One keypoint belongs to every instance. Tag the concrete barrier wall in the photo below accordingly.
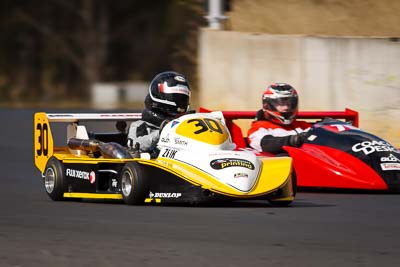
(114, 95)
(329, 74)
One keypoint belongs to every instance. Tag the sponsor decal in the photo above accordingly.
(390, 166)
(169, 153)
(114, 183)
(391, 158)
(219, 164)
(390, 163)
(174, 123)
(77, 174)
(226, 154)
(165, 139)
(164, 163)
(339, 127)
(181, 142)
(312, 137)
(164, 195)
(240, 175)
(180, 79)
(368, 147)
(121, 115)
(59, 115)
(92, 177)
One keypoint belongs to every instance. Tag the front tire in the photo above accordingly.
(133, 183)
(54, 177)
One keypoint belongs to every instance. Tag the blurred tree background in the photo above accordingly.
(56, 49)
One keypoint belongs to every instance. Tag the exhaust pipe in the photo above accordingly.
(108, 150)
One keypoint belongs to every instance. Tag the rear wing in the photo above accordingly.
(76, 117)
(43, 138)
(348, 115)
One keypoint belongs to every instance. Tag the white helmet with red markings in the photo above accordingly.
(280, 103)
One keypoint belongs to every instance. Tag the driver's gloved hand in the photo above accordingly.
(133, 150)
(154, 152)
(297, 140)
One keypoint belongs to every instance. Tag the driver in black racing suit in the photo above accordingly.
(168, 98)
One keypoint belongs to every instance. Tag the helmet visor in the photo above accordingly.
(182, 104)
(282, 104)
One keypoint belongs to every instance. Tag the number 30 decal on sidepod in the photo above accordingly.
(204, 130)
(43, 142)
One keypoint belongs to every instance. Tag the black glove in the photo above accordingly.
(297, 140)
(154, 151)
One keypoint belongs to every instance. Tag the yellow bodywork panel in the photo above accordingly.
(212, 131)
(92, 195)
(275, 173)
(277, 170)
(42, 141)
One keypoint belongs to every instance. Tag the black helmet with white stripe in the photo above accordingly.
(169, 94)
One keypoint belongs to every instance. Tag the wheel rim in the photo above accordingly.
(49, 180)
(126, 184)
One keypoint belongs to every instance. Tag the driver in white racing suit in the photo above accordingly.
(168, 98)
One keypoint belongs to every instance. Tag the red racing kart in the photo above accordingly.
(336, 154)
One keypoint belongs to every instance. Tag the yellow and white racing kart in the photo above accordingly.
(197, 162)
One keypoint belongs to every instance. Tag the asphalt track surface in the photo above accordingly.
(319, 229)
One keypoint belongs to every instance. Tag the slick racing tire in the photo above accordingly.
(54, 178)
(133, 183)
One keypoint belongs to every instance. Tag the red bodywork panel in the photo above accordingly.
(320, 166)
(317, 166)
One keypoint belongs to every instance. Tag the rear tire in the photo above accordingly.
(54, 177)
(133, 183)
